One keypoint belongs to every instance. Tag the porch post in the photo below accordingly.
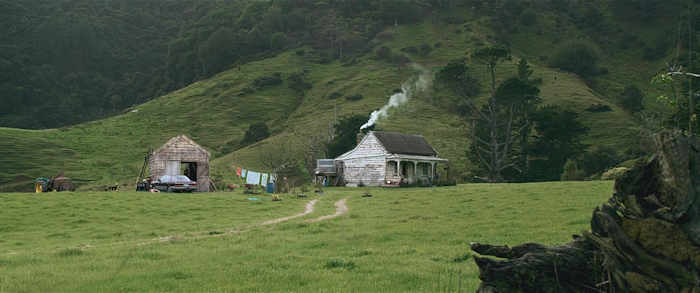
(415, 172)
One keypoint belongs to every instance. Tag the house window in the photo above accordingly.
(423, 169)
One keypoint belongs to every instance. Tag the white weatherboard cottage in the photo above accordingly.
(388, 159)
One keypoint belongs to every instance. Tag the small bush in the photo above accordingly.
(246, 91)
(297, 82)
(256, 132)
(300, 52)
(437, 45)
(411, 49)
(334, 95)
(178, 275)
(631, 99)
(384, 53)
(340, 264)
(278, 40)
(70, 252)
(462, 258)
(355, 97)
(597, 108)
(268, 80)
(577, 57)
(571, 171)
(425, 49)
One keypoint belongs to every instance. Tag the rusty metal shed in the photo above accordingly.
(179, 152)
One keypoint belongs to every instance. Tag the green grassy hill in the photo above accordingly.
(217, 111)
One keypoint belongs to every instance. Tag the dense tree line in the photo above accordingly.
(68, 61)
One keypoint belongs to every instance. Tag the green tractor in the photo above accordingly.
(58, 183)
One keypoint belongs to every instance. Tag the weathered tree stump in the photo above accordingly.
(646, 238)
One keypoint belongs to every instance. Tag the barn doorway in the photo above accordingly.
(189, 169)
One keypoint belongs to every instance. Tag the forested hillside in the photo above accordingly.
(251, 78)
(66, 61)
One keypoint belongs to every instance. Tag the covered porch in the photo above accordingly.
(408, 170)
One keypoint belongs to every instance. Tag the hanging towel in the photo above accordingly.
(263, 179)
(273, 178)
(238, 172)
(244, 173)
(253, 178)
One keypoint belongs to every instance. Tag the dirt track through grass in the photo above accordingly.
(340, 208)
(308, 209)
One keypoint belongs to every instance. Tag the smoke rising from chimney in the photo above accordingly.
(408, 89)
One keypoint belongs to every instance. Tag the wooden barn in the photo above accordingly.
(181, 156)
(389, 159)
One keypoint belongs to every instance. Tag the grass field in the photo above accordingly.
(399, 240)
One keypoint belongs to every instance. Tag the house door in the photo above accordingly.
(407, 170)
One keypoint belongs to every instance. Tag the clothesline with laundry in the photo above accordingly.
(256, 178)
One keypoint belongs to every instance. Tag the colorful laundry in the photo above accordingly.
(238, 172)
(252, 178)
(263, 180)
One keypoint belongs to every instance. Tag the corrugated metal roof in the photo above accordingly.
(408, 144)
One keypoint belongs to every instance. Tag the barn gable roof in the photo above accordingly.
(407, 144)
(180, 139)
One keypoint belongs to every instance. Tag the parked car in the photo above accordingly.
(174, 183)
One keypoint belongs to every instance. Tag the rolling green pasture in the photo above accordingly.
(399, 240)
